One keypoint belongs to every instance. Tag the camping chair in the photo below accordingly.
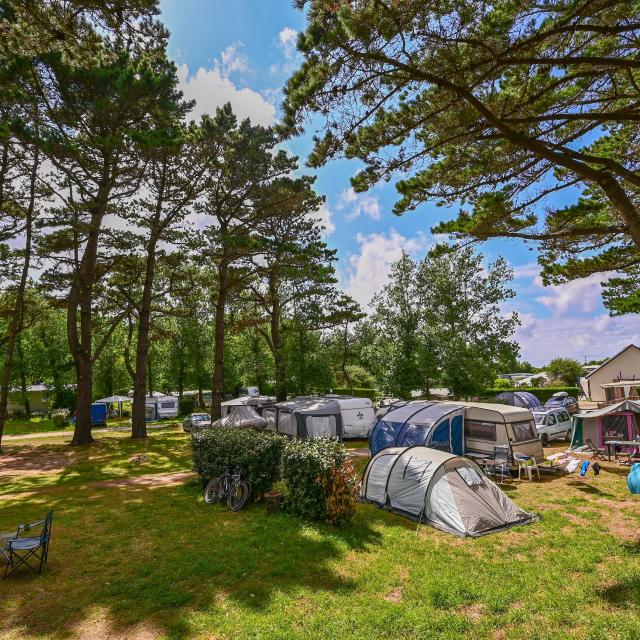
(27, 550)
(597, 453)
(528, 463)
(499, 466)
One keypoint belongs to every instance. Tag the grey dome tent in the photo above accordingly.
(433, 424)
(242, 417)
(449, 492)
(306, 417)
(519, 399)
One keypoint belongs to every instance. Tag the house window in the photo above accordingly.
(480, 430)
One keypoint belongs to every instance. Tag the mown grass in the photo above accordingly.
(40, 424)
(148, 563)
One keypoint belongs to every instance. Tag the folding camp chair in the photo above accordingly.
(32, 551)
(499, 466)
(597, 453)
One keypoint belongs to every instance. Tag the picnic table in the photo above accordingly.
(621, 443)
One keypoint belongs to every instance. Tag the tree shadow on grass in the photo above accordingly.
(589, 488)
(158, 556)
(624, 593)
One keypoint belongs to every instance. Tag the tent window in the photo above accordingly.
(415, 468)
(287, 423)
(321, 426)
(480, 430)
(270, 416)
(523, 431)
(614, 428)
(470, 476)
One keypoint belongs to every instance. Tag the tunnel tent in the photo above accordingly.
(439, 425)
(306, 417)
(449, 492)
(519, 399)
(242, 417)
(620, 421)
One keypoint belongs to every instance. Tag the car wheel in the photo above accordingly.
(544, 439)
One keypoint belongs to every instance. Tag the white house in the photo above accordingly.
(615, 379)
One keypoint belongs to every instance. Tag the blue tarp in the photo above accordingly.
(437, 425)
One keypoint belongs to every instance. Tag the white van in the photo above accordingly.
(358, 416)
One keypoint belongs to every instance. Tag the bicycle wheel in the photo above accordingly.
(214, 491)
(238, 495)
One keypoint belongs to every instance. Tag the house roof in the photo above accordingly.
(613, 357)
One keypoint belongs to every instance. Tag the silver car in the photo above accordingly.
(552, 424)
(195, 421)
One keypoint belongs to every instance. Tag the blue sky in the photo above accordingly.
(243, 52)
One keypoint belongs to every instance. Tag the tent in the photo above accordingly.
(620, 421)
(258, 402)
(519, 399)
(433, 424)
(449, 492)
(119, 400)
(306, 417)
(242, 417)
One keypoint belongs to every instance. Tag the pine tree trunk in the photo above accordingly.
(276, 342)
(217, 386)
(15, 325)
(138, 421)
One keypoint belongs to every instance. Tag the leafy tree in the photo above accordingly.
(566, 371)
(462, 315)
(495, 105)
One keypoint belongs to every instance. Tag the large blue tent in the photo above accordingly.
(439, 425)
(519, 399)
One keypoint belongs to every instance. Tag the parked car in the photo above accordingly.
(552, 424)
(196, 421)
(562, 400)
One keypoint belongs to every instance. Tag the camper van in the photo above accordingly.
(358, 416)
(160, 406)
(486, 425)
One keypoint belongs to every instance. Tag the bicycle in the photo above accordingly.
(230, 486)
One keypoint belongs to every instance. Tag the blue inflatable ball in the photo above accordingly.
(633, 479)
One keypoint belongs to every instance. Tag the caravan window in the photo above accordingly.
(523, 431)
(167, 405)
(321, 426)
(480, 430)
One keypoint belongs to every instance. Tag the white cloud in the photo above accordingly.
(582, 295)
(578, 326)
(358, 204)
(213, 87)
(368, 269)
(287, 38)
(324, 216)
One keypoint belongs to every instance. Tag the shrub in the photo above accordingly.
(320, 479)
(60, 418)
(256, 454)
(187, 405)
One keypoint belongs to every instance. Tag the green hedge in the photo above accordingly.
(320, 479)
(542, 393)
(372, 394)
(256, 454)
(187, 405)
(60, 418)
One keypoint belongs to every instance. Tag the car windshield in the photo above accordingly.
(539, 418)
(554, 402)
(200, 417)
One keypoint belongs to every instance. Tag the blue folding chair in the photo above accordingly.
(24, 550)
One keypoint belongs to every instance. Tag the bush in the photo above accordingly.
(256, 454)
(187, 405)
(60, 418)
(321, 482)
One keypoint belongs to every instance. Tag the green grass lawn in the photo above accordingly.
(141, 563)
(23, 426)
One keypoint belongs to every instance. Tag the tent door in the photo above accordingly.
(441, 438)
(457, 436)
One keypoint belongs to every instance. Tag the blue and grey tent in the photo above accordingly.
(439, 425)
(519, 399)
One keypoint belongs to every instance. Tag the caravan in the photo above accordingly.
(159, 406)
(358, 416)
